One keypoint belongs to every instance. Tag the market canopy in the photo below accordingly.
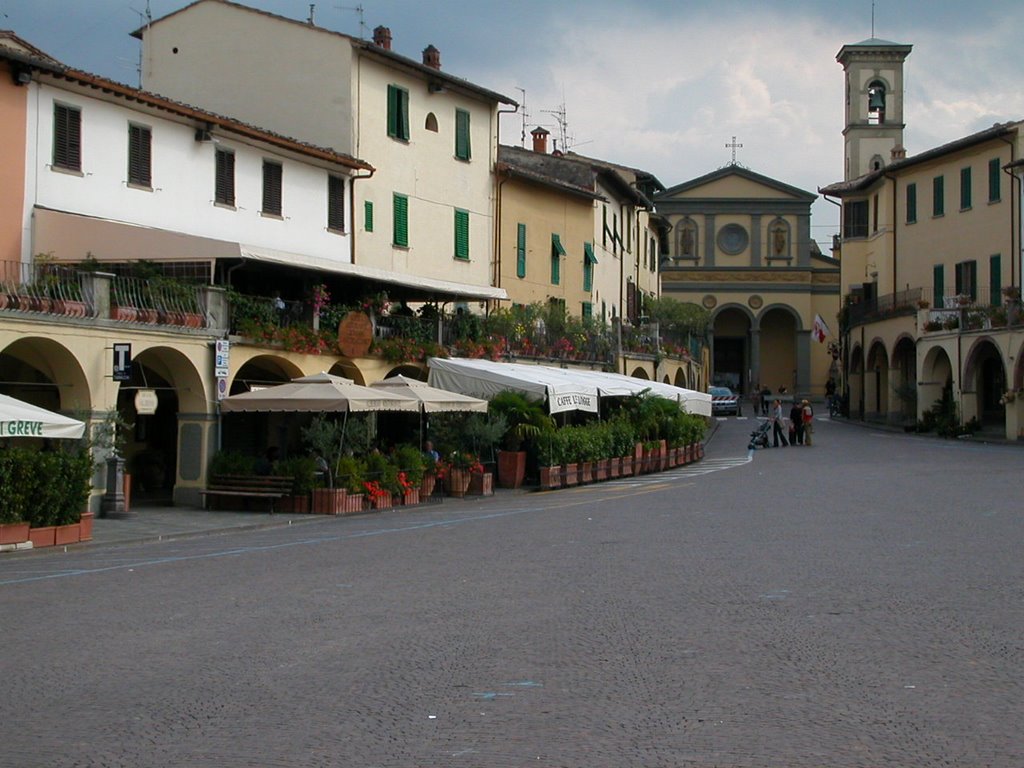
(319, 393)
(21, 419)
(564, 389)
(486, 378)
(431, 399)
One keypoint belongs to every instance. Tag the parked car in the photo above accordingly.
(724, 401)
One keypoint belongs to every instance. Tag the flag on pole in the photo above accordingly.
(820, 330)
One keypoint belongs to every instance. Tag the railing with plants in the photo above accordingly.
(156, 299)
(44, 287)
(984, 310)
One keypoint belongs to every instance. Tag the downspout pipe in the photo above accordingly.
(352, 213)
(1016, 279)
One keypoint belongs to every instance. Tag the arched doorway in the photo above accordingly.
(778, 358)
(252, 433)
(985, 378)
(876, 383)
(731, 349)
(904, 378)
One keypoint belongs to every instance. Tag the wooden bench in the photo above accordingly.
(265, 488)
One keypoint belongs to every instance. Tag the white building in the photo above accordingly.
(428, 211)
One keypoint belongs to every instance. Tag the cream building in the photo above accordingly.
(740, 245)
(930, 259)
(428, 209)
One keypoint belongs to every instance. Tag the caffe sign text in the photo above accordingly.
(574, 401)
(21, 428)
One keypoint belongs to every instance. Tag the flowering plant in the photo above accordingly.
(373, 489)
(465, 460)
(321, 298)
(378, 304)
(403, 482)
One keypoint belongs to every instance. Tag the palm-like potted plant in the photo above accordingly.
(525, 421)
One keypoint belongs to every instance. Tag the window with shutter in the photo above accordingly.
(272, 177)
(462, 147)
(938, 196)
(994, 180)
(224, 194)
(995, 279)
(938, 285)
(557, 251)
(67, 137)
(521, 251)
(398, 112)
(400, 217)
(965, 188)
(335, 204)
(462, 235)
(911, 203)
(140, 169)
(967, 279)
(368, 216)
(587, 310)
(589, 260)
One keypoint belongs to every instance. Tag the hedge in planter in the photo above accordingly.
(44, 488)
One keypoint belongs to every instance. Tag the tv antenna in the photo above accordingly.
(525, 116)
(872, 19)
(563, 125)
(145, 20)
(362, 21)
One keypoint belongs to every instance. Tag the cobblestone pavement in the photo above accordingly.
(854, 603)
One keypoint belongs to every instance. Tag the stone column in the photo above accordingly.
(755, 356)
(709, 240)
(803, 363)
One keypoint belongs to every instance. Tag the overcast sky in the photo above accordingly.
(661, 85)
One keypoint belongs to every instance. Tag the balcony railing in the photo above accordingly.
(49, 289)
(167, 302)
(883, 307)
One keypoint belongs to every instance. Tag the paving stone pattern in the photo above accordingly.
(854, 603)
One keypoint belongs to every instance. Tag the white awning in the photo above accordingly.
(564, 389)
(486, 378)
(424, 284)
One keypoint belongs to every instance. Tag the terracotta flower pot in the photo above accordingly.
(86, 526)
(481, 484)
(511, 468)
(456, 482)
(550, 477)
(13, 533)
(329, 501)
(67, 534)
(427, 486)
(43, 537)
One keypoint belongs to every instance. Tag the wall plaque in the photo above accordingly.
(355, 334)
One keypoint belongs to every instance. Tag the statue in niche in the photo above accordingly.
(687, 241)
(778, 240)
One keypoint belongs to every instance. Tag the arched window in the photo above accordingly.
(431, 122)
(876, 103)
(877, 163)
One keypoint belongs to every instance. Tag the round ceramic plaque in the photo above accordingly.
(733, 239)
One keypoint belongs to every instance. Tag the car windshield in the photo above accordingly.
(721, 391)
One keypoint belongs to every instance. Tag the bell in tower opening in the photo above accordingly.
(876, 103)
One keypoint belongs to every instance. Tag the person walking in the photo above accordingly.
(807, 416)
(777, 434)
(796, 424)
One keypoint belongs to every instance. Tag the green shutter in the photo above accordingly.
(965, 188)
(521, 251)
(401, 220)
(588, 310)
(462, 146)
(368, 216)
(995, 280)
(461, 234)
(398, 112)
(938, 196)
(994, 180)
(938, 286)
(557, 251)
(911, 203)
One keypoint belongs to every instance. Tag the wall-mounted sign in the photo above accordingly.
(355, 334)
(221, 358)
(145, 402)
(122, 362)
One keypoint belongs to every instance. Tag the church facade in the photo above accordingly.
(739, 244)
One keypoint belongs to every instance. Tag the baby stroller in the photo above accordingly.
(759, 437)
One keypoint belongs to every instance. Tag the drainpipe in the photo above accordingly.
(1016, 279)
(895, 249)
(845, 328)
(503, 175)
(352, 214)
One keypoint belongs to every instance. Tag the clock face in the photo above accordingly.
(733, 239)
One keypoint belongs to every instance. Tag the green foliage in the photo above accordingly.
(232, 463)
(302, 470)
(323, 437)
(623, 436)
(550, 448)
(525, 418)
(377, 468)
(350, 474)
(410, 460)
(678, 317)
(44, 487)
(944, 418)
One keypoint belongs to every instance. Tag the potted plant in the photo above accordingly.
(380, 479)
(302, 470)
(525, 420)
(411, 465)
(549, 448)
(349, 475)
(460, 466)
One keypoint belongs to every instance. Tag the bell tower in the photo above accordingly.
(874, 104)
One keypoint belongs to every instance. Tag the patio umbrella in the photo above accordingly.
(319, 393)
(431, 399)
(20, 419)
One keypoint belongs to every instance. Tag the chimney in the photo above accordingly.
(382, 38)
(898, 153)
(540, 140)
(432, 57)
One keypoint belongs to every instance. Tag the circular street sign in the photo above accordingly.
(145, 402)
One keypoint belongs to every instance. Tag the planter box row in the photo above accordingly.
(47, 536)
(338, 501)
(643, 461)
